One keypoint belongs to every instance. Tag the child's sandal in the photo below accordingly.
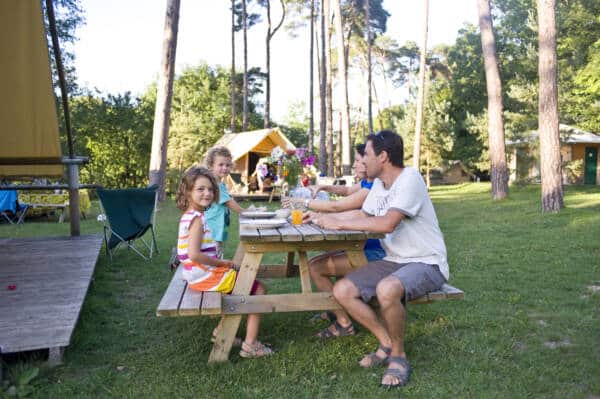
(256, 350)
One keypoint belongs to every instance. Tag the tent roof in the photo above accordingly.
(568, 135)
(28, 122)
(242, 143)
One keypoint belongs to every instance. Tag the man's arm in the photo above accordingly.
(359, 220)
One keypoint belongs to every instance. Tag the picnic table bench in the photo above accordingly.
(180, 300)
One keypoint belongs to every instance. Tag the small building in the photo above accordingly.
(454, 173)
(248, 147)
(578, 151)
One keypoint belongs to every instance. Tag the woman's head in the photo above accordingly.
(219, 161)
(198, 189)
(359, 167)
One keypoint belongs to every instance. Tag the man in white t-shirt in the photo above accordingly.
(415, 263)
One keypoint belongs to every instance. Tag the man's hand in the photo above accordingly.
(328, 222)
(309, 216)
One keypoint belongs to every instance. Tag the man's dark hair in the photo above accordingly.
(391, 143)
(360, 148)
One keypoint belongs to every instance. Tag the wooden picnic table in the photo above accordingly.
(254, 243)
(180, 300)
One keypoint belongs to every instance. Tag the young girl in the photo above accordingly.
(219, 161)
(197, 251)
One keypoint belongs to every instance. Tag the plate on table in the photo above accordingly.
(257, 214)
(262, 223)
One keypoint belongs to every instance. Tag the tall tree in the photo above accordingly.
(322, 89)
(497, 151)
(368, 28)
(329, 90)
(270, 33)
(421, 92)
(160, 132)
(550, 163)
(311, 104)
(233, 102)
(343, 78)
(245, 90)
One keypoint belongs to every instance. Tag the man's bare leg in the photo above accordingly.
(348, 295)
(390, 292)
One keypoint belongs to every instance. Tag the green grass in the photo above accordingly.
(529, 325)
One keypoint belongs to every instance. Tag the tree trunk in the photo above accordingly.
(322, 89)
(164, 95)
(343, 76)
(245, 83)
(328, 90)
(369, 101)
(499, 169)
(421, 93)
(270, 34)
(311, 101)
(233, 67)
(552, 190)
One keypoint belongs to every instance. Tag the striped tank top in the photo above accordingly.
(202, 277)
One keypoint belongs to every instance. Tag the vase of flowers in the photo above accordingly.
(291, 163)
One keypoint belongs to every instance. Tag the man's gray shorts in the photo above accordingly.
(417, 278)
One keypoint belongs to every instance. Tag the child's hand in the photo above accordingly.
(227, 263)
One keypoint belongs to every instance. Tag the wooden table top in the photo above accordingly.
(302, 233)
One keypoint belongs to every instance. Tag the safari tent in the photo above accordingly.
(248, 147)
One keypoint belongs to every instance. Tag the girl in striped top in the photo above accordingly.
(197, 251)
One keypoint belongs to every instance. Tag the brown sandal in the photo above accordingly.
(256, 350)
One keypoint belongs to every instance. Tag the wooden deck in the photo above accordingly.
(43, 282)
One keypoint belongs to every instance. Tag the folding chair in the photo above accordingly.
(130, 214)
(10, 209)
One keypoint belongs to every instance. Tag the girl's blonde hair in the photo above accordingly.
(214, 152)
(186, 184)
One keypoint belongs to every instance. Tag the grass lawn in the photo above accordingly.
(529, 325)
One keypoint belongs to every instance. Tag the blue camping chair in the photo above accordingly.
(127, 215)
(10, 209)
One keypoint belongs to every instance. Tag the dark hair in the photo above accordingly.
(186, 184)
(214, 152)
(391, 143)
(360, 148)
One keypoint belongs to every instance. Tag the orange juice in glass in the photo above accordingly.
(296, 215)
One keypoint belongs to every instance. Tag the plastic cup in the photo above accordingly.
(296, 216)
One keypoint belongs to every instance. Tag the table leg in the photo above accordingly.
(230, 324)
(304, 275)
(289, 264)
(357, 258)
(239, 254)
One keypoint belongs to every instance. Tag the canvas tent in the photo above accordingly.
(248, 147)
(28, 122)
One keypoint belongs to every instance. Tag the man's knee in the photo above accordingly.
(390, 289)
(344, 289)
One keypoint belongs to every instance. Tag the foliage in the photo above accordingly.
(201, 112)
(116, 133)
(22, 385)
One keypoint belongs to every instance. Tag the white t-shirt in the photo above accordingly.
(418, 237)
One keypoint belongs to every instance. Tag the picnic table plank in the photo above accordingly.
(269, 235)
(190, 302)
(211, 303)
(289, 233)
(169, 304)
(309, 233)
(304, 275)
